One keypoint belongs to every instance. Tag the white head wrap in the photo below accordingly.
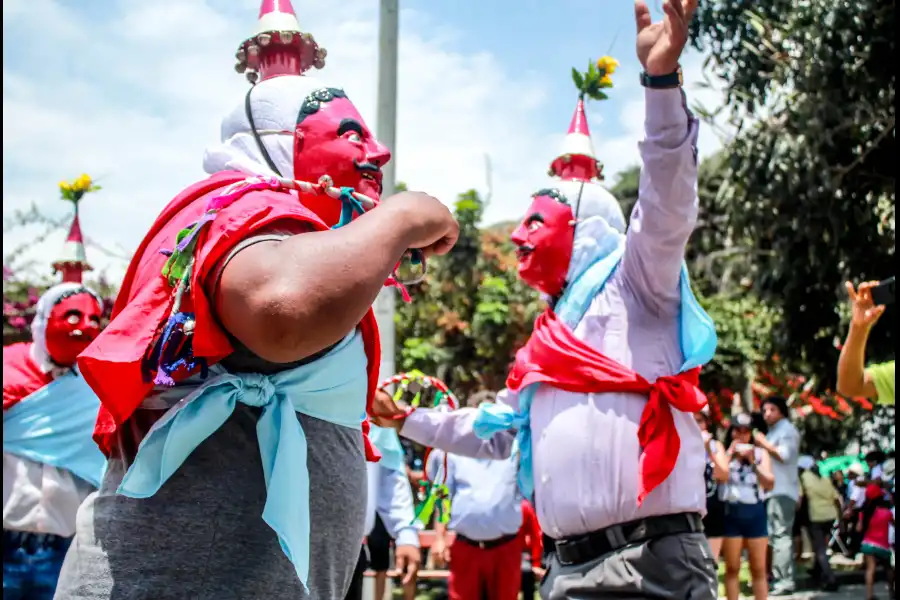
(45, 305)
(275, 104)
(600, 226)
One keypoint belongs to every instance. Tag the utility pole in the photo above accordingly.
(388, 26)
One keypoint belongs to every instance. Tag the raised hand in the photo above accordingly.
(660, 44)
(865, 312)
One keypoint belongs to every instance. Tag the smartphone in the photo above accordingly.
(883, 293)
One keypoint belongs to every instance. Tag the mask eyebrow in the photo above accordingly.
(535, 217)
(349, 125)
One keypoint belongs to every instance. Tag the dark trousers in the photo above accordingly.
(31, 564)
(356, 584)
(819, 534)
(528, 585)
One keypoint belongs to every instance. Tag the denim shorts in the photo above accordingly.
(31, 564)
(747, 521)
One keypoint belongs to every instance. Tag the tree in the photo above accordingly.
(471, 313)
(809, 177)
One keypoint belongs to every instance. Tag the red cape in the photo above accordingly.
(21, 375)
(553, 355)
(114, 364)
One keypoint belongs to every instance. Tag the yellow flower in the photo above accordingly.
(65, 186)
(607, 64)
(605, 81)
(83, 183)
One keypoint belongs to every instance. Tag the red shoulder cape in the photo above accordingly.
(113, 365)
(21, 375)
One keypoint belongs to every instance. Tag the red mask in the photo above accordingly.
(332, 139)
(544, 239)
(73, 324)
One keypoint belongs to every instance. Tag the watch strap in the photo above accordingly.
(662, 82)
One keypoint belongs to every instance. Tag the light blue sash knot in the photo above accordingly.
(388, 443)
(697, 337)
(332, 388)
(55, 426)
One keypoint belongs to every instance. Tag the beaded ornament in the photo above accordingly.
(173, 349)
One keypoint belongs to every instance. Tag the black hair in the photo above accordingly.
(876, 455)
(314, 101)
(869, 508)
(780, 403)
(77, 291)
(310, 106)
(552, 193)
(756, 422)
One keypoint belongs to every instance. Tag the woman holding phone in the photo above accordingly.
(749, 477)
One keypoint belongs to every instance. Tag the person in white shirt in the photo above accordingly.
(783, 445)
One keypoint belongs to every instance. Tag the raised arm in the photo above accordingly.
(286, 300)
(666, 211)
(852, 377)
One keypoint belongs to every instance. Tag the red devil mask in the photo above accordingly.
(74, 323)
(544, 240)
(332, 139)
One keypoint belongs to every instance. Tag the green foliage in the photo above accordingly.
(808, 183)
(591, 83)
(471, 313)
(744, 326)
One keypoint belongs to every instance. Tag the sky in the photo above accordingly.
(132, 91)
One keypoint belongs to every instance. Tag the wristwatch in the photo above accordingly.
(662, 82)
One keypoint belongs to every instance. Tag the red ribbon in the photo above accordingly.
(553, 355)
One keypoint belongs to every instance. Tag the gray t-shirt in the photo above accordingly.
(202, 535)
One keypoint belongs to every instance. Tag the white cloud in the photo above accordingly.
(140, 91)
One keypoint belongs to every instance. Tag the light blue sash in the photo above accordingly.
(55, 426)
(332, 388)
(698, 345)
(388, 443)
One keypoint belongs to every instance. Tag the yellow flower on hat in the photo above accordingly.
(83, 183)
(607, 64)
(73, 191)
(605, 81)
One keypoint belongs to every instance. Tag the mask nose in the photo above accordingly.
(518, 236)
(378, 154)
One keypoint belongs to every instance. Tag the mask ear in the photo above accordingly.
(298, 148)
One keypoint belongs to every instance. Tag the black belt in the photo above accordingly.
(583, 548)
(32, 542)
(487, 545)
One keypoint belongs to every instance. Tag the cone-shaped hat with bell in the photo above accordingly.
(278, 47)
(72, 260)
(577, 161)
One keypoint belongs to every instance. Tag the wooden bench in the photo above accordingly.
(426, 540)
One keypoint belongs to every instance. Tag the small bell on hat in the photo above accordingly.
(72, 261)
(278, 47)
(577, 162)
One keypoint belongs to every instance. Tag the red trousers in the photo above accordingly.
(485, 574)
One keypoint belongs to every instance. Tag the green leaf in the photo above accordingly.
(578, 78)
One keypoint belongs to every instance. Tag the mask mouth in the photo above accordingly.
(524, 251)
(369, 172)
